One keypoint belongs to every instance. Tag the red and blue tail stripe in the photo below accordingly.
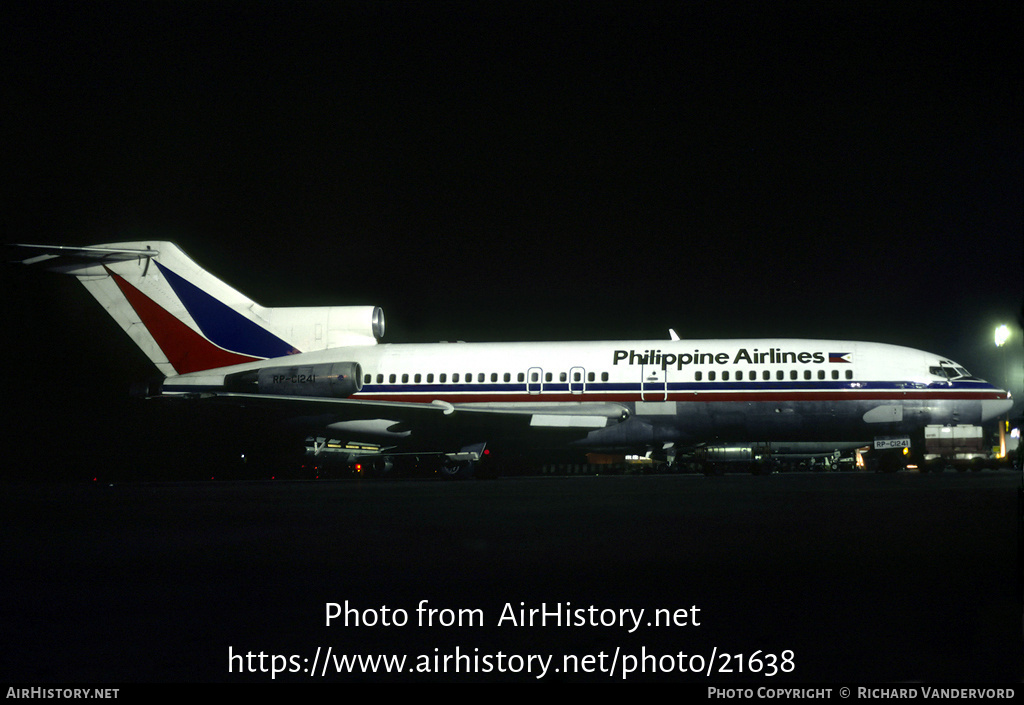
(223, 325)
(230, 339)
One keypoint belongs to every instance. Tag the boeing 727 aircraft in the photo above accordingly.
(324, 369)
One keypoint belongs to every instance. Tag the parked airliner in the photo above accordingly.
(325, 369)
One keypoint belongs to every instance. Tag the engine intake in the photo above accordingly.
(329, 379)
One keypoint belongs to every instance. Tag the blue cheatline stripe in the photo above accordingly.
(224, 326)
(770, 386)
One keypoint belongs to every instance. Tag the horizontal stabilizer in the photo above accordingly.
(66, 259)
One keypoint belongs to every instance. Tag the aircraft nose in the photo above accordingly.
(992, 408)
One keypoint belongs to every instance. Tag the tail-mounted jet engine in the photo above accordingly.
(329, 379)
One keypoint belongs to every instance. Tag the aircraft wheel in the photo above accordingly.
(379, 467)
(457, 471)
(890, 462)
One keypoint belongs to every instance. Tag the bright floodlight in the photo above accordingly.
(1002, 333)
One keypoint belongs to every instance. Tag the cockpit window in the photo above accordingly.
(951, 372)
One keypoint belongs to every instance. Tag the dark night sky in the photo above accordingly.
(504, 171)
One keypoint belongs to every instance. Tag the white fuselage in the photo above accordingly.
(678, 390)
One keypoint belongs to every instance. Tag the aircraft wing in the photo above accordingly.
(439, 418)
(565, 414)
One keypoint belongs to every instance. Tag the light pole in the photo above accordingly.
(1001, 336)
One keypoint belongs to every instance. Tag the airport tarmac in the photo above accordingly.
(816, 578)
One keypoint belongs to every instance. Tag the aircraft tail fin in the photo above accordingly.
(187, 320)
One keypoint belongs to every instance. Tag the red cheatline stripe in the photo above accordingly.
(186, 350)
(463, 397)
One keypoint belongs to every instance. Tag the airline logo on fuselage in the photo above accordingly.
(774, 356)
